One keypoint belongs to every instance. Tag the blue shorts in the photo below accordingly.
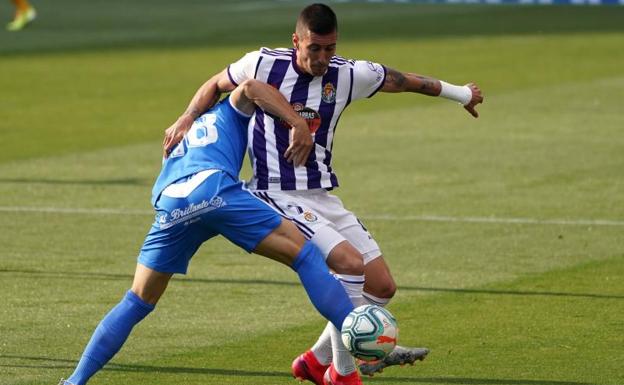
(218, 205)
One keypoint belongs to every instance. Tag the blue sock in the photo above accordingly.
(109, 336)
(326, 293)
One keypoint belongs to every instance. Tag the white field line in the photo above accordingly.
(522, 221)
(374, 217)
(74, 210)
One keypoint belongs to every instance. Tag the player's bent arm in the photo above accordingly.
(205, 97)
(469, 95)
(208, 94)
(251, 93)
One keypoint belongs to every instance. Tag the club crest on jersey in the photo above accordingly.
(329, 93)
(308, 216)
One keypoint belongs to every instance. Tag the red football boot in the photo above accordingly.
(333, 378)
(307, 367)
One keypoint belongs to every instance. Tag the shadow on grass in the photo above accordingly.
(105, 182)
(128, 277)
(54, 363)
(474, 381)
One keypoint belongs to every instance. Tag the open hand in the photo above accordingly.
(175, 133)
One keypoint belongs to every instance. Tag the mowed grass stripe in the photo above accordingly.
(546, 164)
(94, 100)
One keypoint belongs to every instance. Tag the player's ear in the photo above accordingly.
(295, 40)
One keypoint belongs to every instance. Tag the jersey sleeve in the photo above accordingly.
(244, 68)
(368, 78)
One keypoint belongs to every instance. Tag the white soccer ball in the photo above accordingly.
(370, 332)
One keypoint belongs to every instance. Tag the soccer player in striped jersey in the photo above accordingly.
(320, 85)
(198, 196)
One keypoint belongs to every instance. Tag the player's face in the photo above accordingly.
(314, 51)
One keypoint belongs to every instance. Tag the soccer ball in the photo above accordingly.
(370, 332)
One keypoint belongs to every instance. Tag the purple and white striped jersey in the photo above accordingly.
(345, 81)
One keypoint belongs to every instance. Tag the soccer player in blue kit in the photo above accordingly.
(197, 196)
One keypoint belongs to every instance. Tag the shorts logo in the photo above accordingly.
(308, 216)
(189, 212)
(217, 202)
(329, 93)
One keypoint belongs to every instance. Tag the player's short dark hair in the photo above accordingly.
(318, 18)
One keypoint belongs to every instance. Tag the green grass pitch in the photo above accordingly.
(505, 233)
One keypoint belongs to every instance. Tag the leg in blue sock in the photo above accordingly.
(287, 245)
(109, 336)
(325, 291)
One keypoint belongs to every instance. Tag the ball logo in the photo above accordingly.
(329, 93)
(308, 216)
(386, 340)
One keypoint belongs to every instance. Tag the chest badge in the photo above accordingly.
(329, 93)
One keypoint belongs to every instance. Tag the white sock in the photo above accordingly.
(322, 349)
(371, 299)
(343, 361)
(354, 286)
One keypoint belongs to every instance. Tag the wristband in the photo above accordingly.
(461, 94)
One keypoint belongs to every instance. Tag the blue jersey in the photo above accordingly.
(216, 140)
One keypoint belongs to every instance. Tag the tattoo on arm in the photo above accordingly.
(427, 85)
(193, 111)
(395, 80)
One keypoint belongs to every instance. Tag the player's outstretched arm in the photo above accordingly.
(469, 95)
(253, 93)
(205, 97)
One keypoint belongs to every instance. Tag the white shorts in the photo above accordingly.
(323, 219)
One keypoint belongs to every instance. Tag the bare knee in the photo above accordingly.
(385, 289)
(148, 284)
(379, 281)
(345, 259)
